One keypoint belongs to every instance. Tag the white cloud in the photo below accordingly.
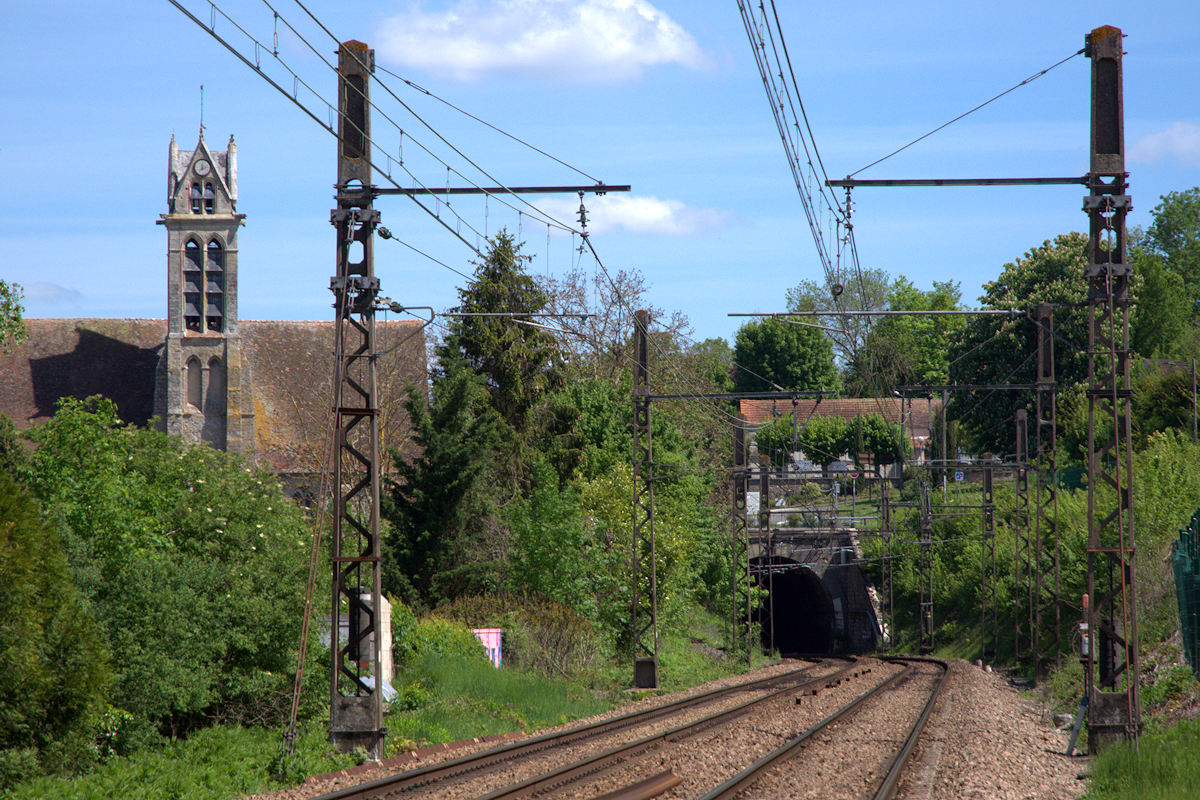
(1180, 142)
(577, 41)
(638, 214)
(51, 294)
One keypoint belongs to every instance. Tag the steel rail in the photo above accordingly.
(891, 783)
(573, 772)
(748, 776)
(447, 770)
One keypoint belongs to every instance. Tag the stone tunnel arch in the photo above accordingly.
(804, 611)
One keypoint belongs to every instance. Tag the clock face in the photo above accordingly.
(202, 167)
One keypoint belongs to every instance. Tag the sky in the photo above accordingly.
(662, 95)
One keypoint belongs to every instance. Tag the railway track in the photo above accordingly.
(624, 757)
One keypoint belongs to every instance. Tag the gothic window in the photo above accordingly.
(197, 198)
(210, 198)
(214, 287)
(193, 286)
(194, 383)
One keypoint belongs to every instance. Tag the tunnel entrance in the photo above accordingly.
(804, 613)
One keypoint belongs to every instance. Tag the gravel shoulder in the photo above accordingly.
(984, 740)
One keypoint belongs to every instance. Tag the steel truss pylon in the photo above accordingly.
(356, 707)
(1112, 656)
(741, 623)
(1047, 608)
(645, 576)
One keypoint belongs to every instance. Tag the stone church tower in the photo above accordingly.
(207, 380)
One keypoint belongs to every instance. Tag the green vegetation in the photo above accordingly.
(151, 593)
(1164, 766)
(12, 328)
(777, 354)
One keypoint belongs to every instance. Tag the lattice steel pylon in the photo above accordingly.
(356, 708)
(645, 575)
(1112, 614)
(886, 581)
(1047, 607)
(1023, 616)
(742, 625)
(989, 622)
(925, 568)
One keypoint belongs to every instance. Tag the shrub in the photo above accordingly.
(53, 666)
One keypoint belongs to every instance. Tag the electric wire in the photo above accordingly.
(382, 84)
(1030, 79)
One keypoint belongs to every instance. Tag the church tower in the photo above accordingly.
(207, 380)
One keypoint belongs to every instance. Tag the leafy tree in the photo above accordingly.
(1175, 235)
(192, 562)
(907, 350)
(777, 439)
(54, 669)
(776, 354)
(825, 439)
(1162, 317)
(437, 504)
(12, 328)
(884, 440)
(866, 290)
(1002, 349)
(551, 550)
(1162, 401)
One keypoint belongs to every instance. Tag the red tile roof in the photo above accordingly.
(918, 413)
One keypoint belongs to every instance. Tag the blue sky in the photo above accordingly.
(662, 95)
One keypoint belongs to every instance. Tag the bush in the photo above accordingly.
(539, 634)
(193, 562)
(53, 666)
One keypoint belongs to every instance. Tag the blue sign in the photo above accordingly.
(958, 476)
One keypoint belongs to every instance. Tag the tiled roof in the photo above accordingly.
(917, 414)
(290, 365)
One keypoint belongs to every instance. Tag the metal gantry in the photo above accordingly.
(1112, 674)
(645, 576)
(356, 707)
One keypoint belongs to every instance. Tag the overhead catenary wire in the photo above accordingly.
(987, 102)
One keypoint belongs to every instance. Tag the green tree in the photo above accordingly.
(551, 552)
(825, 439)
(518, 360)
(12, 327)
(54, 669)
(774, 354)
(777, 439)
(438, 504)
(1002, 349)
(883, 440)
(1175, 235)
(192, 561)
(866, 290)
(910, 349)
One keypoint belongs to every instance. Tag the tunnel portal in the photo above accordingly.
(804, 611)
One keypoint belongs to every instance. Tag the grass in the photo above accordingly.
(1166, 766)
(443, 697)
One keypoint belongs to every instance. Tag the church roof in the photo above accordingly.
(290, 363)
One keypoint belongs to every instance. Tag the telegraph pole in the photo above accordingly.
(356, 682)
(1111, 679)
